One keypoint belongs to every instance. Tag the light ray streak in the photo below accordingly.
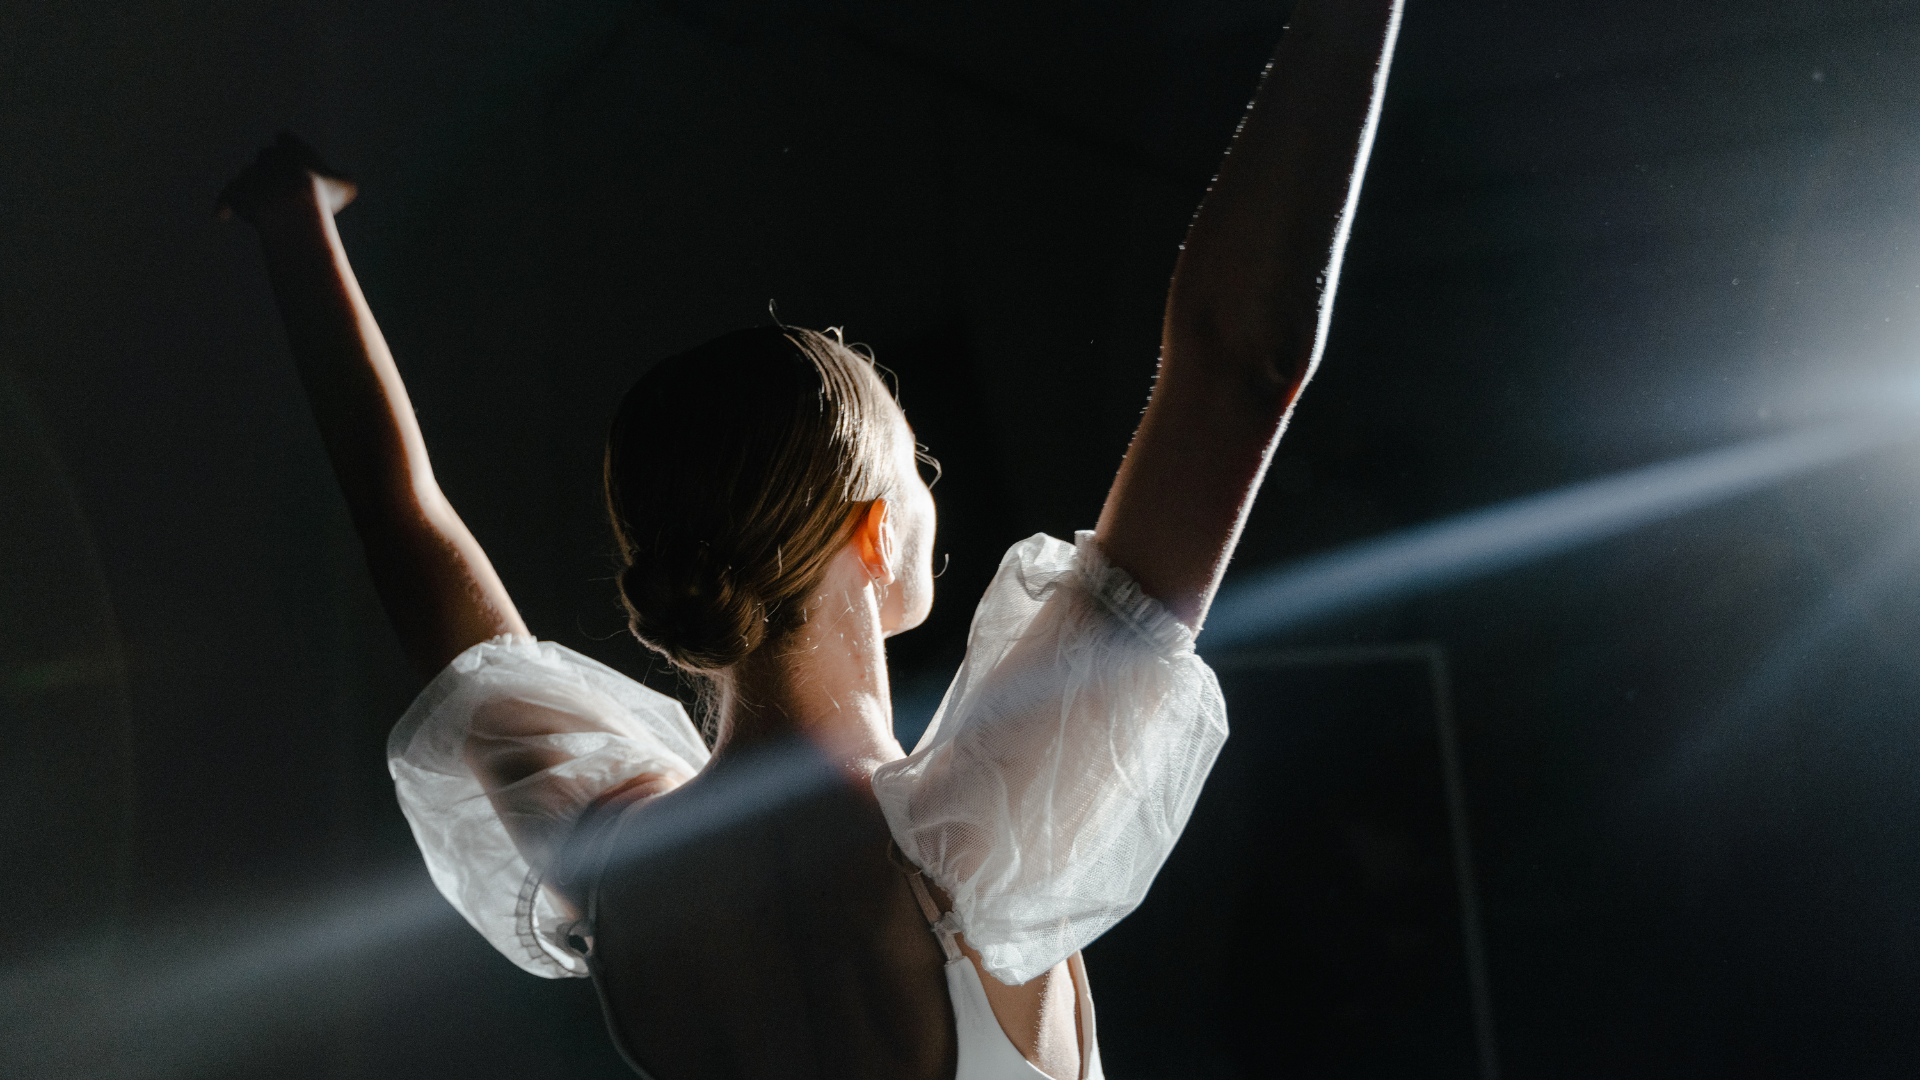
(1741, 721)
(758, 783)
(1511, 533)
(196, 994)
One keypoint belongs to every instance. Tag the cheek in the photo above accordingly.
(917, 556)
(928, 517)
(924, 528)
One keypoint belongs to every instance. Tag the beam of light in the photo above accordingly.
(761, 782)
(194, 996)
(1511, 533)
(198, 995)
(1744, 718)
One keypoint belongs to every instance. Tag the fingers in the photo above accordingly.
(289, 168)
(291, 152)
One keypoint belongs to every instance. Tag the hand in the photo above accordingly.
(287, 176)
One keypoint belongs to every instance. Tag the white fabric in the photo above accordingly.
(602, 729)
(985, 1052)
(1063, 762)
(1047, 792)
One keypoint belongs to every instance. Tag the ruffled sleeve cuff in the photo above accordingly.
(597, 727)
(1064, 761)
(1122, 596)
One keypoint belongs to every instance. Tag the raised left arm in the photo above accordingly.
(1250, 304)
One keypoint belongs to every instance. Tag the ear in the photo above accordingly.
(872, 541)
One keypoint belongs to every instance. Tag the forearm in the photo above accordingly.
(1250, 303)
(439, 589)
(1254, 285)
(358, 399)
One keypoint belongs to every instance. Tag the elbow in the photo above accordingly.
(1260, 359)
(387, 511)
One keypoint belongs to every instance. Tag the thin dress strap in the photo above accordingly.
(941, 924)
(600, 853)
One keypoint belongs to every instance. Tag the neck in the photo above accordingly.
(826, 682)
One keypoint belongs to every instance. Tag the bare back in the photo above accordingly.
(777, 944)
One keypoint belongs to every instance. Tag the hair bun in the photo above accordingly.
(733, 474)
(691, 608)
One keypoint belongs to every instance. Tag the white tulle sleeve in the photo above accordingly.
(513, 695)
(1063, 762)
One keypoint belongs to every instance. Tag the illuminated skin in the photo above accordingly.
(1246, 320)
(828, 680)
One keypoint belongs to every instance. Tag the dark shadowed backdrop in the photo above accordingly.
(1594, 238)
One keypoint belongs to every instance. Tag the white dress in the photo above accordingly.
(1046, 793)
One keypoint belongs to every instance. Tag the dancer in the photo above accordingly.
(806, 898)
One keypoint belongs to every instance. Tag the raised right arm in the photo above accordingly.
(439, 589)
(1251, 299)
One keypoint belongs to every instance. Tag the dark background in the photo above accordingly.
(1594, 236)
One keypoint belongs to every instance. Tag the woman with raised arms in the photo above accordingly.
(806, 898)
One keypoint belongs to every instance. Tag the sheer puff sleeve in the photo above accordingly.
(1063, 762)
(513, 700)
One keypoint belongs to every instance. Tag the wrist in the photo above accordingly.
(295, 215)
